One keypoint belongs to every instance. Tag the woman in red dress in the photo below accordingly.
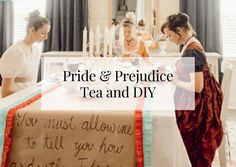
(200, 128)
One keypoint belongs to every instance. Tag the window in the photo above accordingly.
(228, 26)
(21, 10)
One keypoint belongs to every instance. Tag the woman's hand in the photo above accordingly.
(175, 80)
(196, 82)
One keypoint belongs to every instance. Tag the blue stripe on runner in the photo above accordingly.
(147, 134)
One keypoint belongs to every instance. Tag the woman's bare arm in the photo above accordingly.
(7, 88)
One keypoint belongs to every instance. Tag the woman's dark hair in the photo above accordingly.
(141, 23)
(177, 20)
(114, 22)
(164, 25)
(36, 21)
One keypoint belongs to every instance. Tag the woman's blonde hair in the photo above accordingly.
(36, 21)
(129, 20)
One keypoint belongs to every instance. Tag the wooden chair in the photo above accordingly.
(226, 83)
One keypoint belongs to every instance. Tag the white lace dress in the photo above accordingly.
(20, 61)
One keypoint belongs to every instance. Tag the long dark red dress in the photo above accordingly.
(201, 129)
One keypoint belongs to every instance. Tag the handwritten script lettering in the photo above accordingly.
(33, 163)
(53, 143)
(64, 124)
(83, 146)
(67, 140)
(94, 124)
(24, 119)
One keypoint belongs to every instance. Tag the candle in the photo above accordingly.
(98, 40)
(113, 32)
(121, 37)
(91, 43)
(110, 41)
(105, 42)
(84, 41)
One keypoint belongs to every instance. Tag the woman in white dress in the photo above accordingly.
(132, 43)
(19, 63)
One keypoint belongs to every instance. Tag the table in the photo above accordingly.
(167, 146)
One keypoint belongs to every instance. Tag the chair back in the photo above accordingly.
(227, 69)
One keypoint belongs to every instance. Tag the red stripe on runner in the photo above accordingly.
(9, 123)
(138, 125)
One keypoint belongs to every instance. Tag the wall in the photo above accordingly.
(164, 8)
(98, 13)
(115, 6)
(140, 10)
(131, 4)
